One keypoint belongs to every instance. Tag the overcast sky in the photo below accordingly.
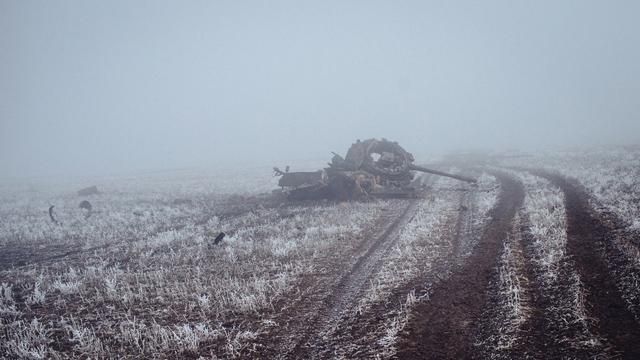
(114, 86)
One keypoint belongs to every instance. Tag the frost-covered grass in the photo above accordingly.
(394, 325)
(510, 297)
(512, 284)
(478, 204)
(418, 242)
(535, 272)
(157, 286)
(612, 175)
(544, 206)
(509, 300)
(127, 207)
(560, 282)
(425, 246)
(116, 216)
(486, 197)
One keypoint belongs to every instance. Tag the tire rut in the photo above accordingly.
(319, 339)
(509, 313)
(589, 243)
(362, 335)
(552, 330)
(442, 327)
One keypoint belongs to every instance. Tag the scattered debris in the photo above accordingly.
(84, 204)
(53, 219)
(91, 190)
(219, 238)
(278, 172)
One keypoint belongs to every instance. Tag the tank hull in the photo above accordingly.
(371, 168)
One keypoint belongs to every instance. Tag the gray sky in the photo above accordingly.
(113, 86)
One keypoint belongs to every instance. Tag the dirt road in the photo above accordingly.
(442, 326)
(590, 244)
(540, 272)
(328, 331)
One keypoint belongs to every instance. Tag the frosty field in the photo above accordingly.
(540, 259)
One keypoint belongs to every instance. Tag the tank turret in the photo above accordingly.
(371, 167)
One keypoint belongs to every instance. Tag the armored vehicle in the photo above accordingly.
(371, 168)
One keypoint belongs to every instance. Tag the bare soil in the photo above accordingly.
(457, 306)
(442, 326)
(589, 242)
(306, 321)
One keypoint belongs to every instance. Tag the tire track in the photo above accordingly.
(589, 242)
(560, 326)
(442, 326)
(508, 310)
(320, 338)
(367, 333)
(556, 327)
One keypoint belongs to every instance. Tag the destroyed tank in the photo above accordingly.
(371, 168)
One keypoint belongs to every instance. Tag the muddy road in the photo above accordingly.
(330, 320)
(441, 327)
(326, 331)
(590, 243)
(577, 306)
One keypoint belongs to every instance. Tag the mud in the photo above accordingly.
(321, 298)
(441, 327)
(458, 314)
(357, 335)
(589, 243)
(322, 338)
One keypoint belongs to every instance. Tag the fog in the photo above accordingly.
(102, 87)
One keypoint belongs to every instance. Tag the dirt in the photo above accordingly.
(544, 327)
(361, 332)
(325, 336)
(547, 332)
(495, 335)
(457, 311)
(589, 243)
(442, 326)
(450, 324)
(321, 301)
(325, 322)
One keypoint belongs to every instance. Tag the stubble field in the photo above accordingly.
(540, 259)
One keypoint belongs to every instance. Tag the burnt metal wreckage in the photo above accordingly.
(371, 168)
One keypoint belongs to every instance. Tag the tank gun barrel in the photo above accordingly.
(436, 172)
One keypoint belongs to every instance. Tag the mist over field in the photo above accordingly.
(168, 191)
(96, 87)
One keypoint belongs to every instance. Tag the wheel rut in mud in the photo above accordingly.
(318, 341)
(442, 326)
(589, 242)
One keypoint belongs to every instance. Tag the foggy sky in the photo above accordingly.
(110, 86)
